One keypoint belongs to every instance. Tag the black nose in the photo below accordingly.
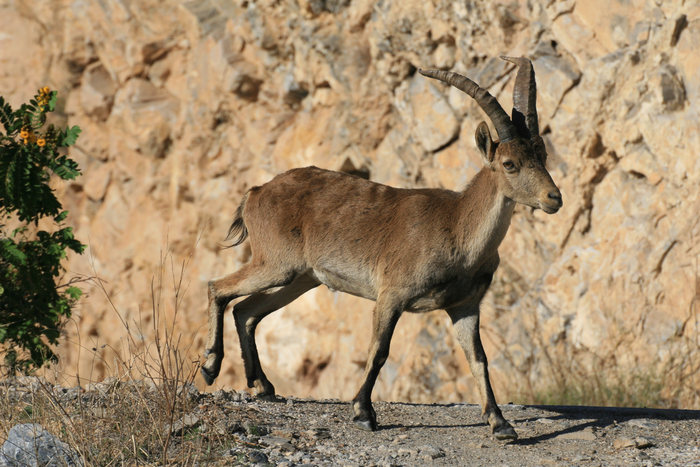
(555, 196)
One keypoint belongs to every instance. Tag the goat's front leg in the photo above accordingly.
(466, 324)
(386, 315)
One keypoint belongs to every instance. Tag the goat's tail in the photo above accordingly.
(238, 228)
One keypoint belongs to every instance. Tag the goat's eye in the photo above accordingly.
(509, 165)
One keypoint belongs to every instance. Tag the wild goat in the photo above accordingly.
(413, 250)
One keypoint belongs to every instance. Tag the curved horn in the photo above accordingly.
(524, 98)
(489, 104)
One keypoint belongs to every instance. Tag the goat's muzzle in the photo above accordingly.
(551, 201)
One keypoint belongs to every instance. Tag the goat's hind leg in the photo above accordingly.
(246, 281)
(248, 315)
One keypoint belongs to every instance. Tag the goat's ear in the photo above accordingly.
(539, 148)
(485, 144)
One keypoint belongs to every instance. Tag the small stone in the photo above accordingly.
(318, 433)
(643, 423)
(408, 452)
(254, 429)
(242, 397)
(223, 396)
(643, 443)
(624, 443)
(287, 434)
(189, 391)
(282, 443)
(639, 443)
(580, 435)
(226, 427)
(431, 452)
(188, 422)
(257, 457)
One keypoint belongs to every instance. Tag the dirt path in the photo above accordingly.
(318, 432)
(232, 428)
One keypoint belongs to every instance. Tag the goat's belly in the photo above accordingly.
(443, 296)
(427, 303)
(344, 282)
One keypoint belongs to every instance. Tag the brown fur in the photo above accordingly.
(409, 250)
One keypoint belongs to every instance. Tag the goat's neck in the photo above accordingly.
(485, 215)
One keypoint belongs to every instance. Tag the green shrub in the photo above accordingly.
(32, 305)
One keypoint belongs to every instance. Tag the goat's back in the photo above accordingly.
(322, 219)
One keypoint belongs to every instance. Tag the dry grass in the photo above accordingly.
(128, 418)
(565, 375)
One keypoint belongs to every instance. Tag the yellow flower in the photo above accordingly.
(24, 134)
(45, 90)
(41, 142)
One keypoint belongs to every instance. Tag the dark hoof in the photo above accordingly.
(505, 433)
(366, 425)
(208, 377)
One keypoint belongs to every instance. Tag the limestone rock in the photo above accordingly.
(555, 77)
(97, 91)
(98, 178)
(186, 105)
(425, 109)
(31, 445)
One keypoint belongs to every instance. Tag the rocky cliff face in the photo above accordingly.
(186, 105)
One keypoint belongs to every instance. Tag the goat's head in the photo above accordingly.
(518, 157)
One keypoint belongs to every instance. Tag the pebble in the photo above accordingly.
(431, 451)
(579, 435)
(320, 435)
(643, 423)
(639, 443)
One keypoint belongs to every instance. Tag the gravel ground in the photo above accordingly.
(295, 432)
(318, 432)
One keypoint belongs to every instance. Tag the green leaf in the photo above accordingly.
(53, 100)
(74, 292)
(61, 217)
(11, 252)
(6, 117)
(65, 168)
(71, 135)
